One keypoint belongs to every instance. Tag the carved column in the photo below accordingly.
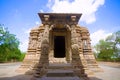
(68, 43)
(51, 37)
(44, 62)
(76, 60)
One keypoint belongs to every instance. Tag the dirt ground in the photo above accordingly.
(111, 64)
(111, 72)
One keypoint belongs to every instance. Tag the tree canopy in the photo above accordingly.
(109, 49)
(9, 46)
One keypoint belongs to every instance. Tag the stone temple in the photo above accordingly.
(59, 47)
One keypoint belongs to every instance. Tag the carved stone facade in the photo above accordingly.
(59, 39)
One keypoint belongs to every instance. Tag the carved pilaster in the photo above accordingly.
(76, 58)
(43, 62)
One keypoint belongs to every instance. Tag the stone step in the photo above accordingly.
(60, 73)
(60, 78)
(60, 66)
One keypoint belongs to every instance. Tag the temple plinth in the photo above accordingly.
(59, 40)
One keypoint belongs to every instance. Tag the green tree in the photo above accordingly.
(115, 41)
(109, 49)
(104, 50)
(8, 45)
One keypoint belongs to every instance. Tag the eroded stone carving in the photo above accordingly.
(40, 36)
(33, 44)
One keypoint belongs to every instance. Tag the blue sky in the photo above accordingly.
(101, 17)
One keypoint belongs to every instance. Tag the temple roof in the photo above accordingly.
(59, 18)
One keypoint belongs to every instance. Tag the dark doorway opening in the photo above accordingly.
(59, 46)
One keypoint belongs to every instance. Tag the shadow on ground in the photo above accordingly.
(28, 77)
(94, 78)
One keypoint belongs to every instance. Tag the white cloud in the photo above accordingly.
(86, 7)
(24, 39)
(98, 35)
(27, 30)
(24, 45)
(37, 22)
(41, 11)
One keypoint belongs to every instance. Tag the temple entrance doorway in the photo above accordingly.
(60, 51)
(59, 47)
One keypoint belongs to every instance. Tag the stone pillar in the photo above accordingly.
(51, 37)
(43, 61)
(76, 59)
(68, 43)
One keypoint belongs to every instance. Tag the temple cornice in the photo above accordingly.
(59, 19)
